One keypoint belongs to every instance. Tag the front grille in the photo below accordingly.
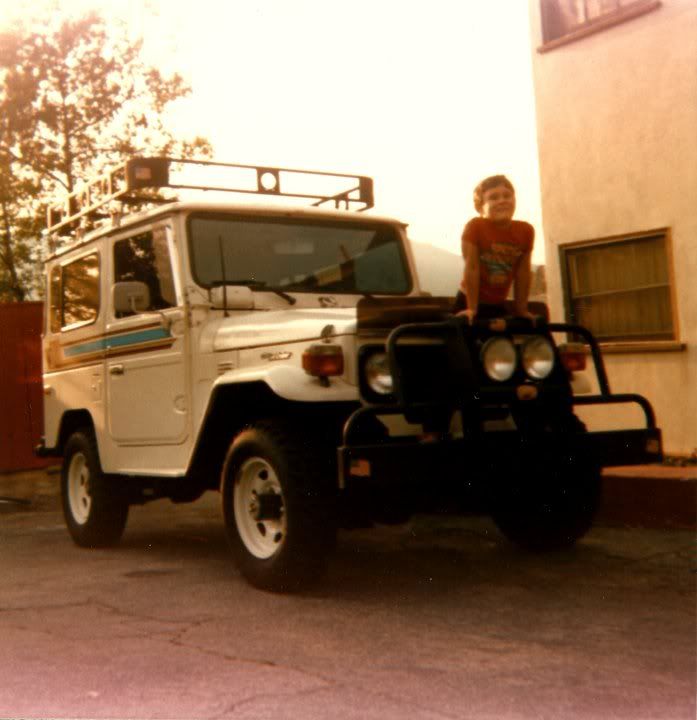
(447, 371)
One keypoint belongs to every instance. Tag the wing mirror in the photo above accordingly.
(130, 297)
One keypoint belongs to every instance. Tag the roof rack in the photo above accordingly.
(138, 180)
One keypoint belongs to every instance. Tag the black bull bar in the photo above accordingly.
(392, 457)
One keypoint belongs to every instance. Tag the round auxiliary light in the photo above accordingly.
(499, 358)
(377, 373)
(538, 358)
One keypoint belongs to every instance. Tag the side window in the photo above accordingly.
(80, 291)
(54, 290)
(145, 258)
(621, 288)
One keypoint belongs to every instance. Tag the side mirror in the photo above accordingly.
(130, 297)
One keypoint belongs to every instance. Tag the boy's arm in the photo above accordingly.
(521, 284)
(471, 253)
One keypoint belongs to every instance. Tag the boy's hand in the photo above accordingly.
(468, 313)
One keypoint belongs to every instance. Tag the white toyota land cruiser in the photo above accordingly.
(286, 357)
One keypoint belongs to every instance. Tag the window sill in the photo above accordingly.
(649, 346)
(603, 23)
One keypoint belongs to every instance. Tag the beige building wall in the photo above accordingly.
(617, 133)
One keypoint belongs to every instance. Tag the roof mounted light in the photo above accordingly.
(147, 173)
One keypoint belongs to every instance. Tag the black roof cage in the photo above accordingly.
(136, 182)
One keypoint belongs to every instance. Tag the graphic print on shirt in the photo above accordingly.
(499, 261)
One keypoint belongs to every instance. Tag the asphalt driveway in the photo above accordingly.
(437, 619)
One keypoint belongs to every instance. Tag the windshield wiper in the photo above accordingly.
(258, 285)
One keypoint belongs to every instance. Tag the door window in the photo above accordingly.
(145, 258)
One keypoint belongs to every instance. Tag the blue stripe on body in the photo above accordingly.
(133, 338)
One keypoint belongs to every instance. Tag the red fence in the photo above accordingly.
(21, 387)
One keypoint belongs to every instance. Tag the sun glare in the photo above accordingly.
(427, 98)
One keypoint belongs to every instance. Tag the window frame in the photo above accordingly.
(625, 345)
(54, 281)
(591, 27)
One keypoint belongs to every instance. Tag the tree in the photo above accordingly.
(75, 98)
(19, 185)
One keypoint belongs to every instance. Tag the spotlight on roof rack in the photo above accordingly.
(147, 173)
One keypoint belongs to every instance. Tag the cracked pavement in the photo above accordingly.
(440, 618)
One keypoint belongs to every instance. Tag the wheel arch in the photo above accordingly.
(72, 421)
(236, 405)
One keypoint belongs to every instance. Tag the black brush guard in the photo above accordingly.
(393, 458)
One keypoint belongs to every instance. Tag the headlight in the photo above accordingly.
(538, 358)
(499, 358)
(377, 373)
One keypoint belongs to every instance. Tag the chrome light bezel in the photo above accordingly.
(499, 359)
(377, 375)
(537, 357)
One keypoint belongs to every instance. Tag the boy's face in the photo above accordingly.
(498, 204)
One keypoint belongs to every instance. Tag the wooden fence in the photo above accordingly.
(21, 388)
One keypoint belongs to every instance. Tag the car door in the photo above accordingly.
(147, 395)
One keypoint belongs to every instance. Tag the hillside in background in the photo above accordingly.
(440, 272)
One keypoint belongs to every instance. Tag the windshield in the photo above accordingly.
(302, 256)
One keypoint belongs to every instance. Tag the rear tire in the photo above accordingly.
(95, 512)
(278, 506)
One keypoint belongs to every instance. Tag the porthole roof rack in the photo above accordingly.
(139, 181)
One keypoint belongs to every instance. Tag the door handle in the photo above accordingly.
(116, 370)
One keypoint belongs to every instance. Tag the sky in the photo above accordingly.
(427, 97)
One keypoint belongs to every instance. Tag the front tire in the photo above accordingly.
(552, 506)
(278, 507)
(95, 512)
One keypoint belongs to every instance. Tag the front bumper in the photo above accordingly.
(458, 459)
(395, 459)
(481, 450)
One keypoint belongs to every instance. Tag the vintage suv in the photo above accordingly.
(287, 357)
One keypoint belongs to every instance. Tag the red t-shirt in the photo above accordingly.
(500, 250)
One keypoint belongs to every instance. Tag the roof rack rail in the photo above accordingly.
(136, 182)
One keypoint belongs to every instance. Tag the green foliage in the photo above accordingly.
(75, 98)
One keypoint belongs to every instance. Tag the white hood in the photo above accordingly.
(279, 327)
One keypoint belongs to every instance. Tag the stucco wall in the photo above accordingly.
(617, 134)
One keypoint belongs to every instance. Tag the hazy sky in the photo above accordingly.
(428, 97)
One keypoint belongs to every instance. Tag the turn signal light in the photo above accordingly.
(573, 356)
(323, 360)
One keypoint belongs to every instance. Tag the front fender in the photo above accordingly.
(292, 383)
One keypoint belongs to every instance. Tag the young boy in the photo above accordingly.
(497, 250)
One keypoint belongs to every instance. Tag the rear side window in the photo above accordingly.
(145, 258)
(79, 293)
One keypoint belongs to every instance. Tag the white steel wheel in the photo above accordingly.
(79, 495)
(277, 506)
(259, 508)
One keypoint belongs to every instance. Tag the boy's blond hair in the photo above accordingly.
(487, 184)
